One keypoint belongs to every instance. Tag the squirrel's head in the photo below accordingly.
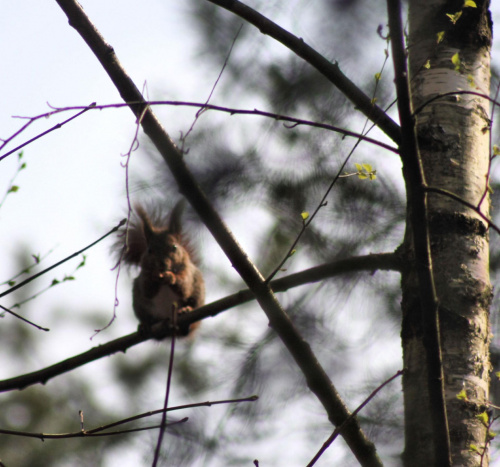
(156, 241)
(164, 247)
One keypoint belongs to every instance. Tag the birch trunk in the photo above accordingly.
(453, 133)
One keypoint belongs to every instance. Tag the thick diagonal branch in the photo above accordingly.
(316, 377)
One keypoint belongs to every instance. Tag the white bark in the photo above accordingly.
(453, 134)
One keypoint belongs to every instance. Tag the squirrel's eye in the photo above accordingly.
(174, 247)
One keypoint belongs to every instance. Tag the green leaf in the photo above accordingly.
(54, 282)
(378, 76)
(13, 189)
(427, 64)
(462, 395)
(292, 253)
(440, 36)
(496, 152)
(454, 18)
(474, 448)
(84, 258)
(470, 4)
(11, 283)
(365, 171)
(304, 215)
(483, 418)
(491, 434)
(456, 61)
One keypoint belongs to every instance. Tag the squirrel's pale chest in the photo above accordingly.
(162, 303)
(156, 303)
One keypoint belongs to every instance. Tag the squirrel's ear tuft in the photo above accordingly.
(147, 223)
(175, 224)
(141, 212)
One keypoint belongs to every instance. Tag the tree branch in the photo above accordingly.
(31, 120)
(328, 69)
(383, 261)
(202, 106)
(83, 433)
(171, 409)
(338, 430)
(417, 199)
(73, 255)
(476, 209)
(316, 377)
(42, 376)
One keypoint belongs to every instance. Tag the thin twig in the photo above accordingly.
(53, 283)
(167, 390)
(55, 127)
(82, 433)
(37, 259)
(203, 109)
(449, 194)
(492, 156)
(99, 430)
(232, 111)
(323, 202)
(35, 276)
(328, 69)
(338, 430)
(455, 93)
(134, 145)
(23, 319)
(172, 409)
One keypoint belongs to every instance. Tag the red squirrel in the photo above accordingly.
(169, 282)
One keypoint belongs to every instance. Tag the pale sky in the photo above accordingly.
(72, 190)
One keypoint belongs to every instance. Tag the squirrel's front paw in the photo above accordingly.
(185, 309)
(168, 277)
(186, 329)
